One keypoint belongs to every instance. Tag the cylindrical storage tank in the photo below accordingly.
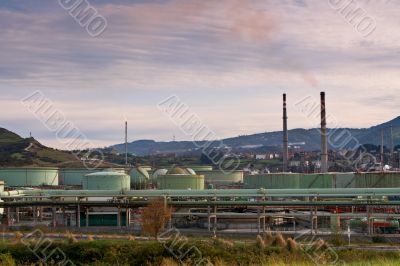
(29, 177)
(195, 182)
(272, 181)
(201, 168)
(377, 180)
(147, 168)
(106, 181)
(344, 180)
(219, 177)
(139, 178)
(158, 173)
(324, 180)
(179, 178)
(75, 176)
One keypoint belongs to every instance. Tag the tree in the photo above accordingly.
(155, 217)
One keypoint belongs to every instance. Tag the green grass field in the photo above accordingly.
(181, 251)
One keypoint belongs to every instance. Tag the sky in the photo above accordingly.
(229, 61)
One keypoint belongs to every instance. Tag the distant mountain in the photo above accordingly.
(272, 141)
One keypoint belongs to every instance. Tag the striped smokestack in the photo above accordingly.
(285, 136)
(324, 141)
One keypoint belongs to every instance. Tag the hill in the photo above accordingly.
(308, 139)
(18, 151)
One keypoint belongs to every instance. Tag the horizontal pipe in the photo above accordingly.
(322, 192)
(141, 203)
(287, 215)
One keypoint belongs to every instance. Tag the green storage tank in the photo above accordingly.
(316, 180)
(180, 178)
(272, 181)
(377, 179)
(139, 178)
(147, 168)
(29, 176)
(107, 181)
(75, 176)
(296, 180)
(201, 168)
(219, 177)
(344, 180)
(157, 173)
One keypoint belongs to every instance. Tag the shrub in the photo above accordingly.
(260, 242)
(7, 260)
(168, 262)
(280, 241)
(70, 237)
(18, 236)
(268, 238)
(155, 217)
(292, 244)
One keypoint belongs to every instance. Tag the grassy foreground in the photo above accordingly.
(218, 252)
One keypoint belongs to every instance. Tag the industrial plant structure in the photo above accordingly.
(206, 197)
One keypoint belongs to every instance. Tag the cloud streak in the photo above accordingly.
(225, 58)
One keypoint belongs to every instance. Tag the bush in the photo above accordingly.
(168, 262)
(280, 241)
(268, 238)
(7, 260)
(70, 237)
(260, 242)
(292, 245)
(18, 236)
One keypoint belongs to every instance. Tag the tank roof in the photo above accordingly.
(178, 171)
(104, 173)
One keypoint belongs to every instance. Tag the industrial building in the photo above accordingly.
(205, 197)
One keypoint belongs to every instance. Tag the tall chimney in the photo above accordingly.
(126, 142)
(382, 151)
(324, 142)
(285, 136)
(391, 142)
